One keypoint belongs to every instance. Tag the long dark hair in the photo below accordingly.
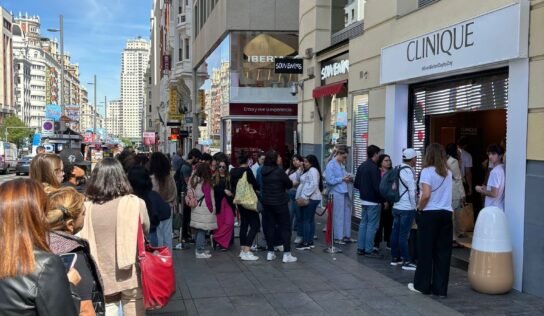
(159, 166)
(315, 164)
(22, 226)
(202, 174)
(381, 158)
(292, 168)
(108, 181)
(451, 150)
(141, 184)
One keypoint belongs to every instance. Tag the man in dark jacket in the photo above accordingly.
(367, 181)
(274, 199)
(181, 177)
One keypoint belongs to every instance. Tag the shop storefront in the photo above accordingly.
(242, 98)
(468, 80)
(331, 101)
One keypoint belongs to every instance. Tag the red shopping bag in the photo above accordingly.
(328, 237)
(157, 273)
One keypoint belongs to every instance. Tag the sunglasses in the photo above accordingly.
(222, 167)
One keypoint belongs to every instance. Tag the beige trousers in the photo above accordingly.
(131, 301)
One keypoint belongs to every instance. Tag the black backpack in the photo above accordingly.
(390, 185)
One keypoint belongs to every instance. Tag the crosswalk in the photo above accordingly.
(8, 177)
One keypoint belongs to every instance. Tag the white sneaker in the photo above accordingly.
(270, 256)
(249, 256)
(298, 240)
(287, 257)
(412, 288)
(241, 254)
(203, 255)
(278, 248)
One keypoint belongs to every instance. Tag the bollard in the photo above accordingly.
(490, 268)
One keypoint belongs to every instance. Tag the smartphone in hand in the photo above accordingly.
(69, 260)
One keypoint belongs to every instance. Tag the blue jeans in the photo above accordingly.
(295, 212)
(370, 220)
(153, 239)
(308, 221)
(200, 240)
(402, 224)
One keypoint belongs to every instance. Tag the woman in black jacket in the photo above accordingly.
(275, 204)
(33, 281)
(65, 216)
(248, 218)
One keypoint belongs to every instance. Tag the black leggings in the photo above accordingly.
(185, 220)
(249, 219)
(277, 218)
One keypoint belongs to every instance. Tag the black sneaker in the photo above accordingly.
(360, 252)
(396, 262)
(303, 246)
(373, 254)
(409, 266)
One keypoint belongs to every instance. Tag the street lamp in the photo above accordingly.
(61, 31)
(94, 101)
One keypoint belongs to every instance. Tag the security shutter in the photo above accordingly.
(422, 3)
(360, 142)
(475, 92)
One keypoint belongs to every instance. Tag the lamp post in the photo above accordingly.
(94, 108)
(61, 31)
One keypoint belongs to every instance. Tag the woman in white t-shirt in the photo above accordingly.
(434, 224)
(494, 191)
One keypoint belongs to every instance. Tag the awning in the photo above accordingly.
(330, 89)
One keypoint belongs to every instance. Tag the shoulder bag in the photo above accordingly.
(157, 273)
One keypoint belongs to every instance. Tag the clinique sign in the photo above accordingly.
(442, 42)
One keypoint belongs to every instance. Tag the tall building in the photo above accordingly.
(7, 100)
(134, 61)
(113, 117)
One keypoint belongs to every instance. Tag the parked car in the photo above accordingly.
(8, 156)
(23, 165)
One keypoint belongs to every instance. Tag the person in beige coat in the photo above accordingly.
(111, 225)
(458, 191)
(203, 215)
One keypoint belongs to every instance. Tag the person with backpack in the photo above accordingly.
(249, 218)
(181, 177)
(367, 181)
(404, 210)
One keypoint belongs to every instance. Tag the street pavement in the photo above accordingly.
(322, 284)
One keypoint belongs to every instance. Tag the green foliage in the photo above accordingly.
(126, 141)
(16, 130)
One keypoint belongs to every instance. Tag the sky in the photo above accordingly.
(95, 33)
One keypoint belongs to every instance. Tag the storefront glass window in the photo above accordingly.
(335, 129)
(213, 95)
(252, 67)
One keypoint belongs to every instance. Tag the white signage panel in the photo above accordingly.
(489, 38)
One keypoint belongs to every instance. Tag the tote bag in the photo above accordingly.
(245, 195)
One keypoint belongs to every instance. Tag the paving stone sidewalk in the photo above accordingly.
(322, 284)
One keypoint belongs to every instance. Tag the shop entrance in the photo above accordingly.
(470, 107)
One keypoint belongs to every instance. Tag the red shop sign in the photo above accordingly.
(263, 109)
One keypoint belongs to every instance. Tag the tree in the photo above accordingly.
(126, 141)
(16, 130)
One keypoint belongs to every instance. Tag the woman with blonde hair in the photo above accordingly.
(434, 223)
(32, 279)
(65, 216)
(47, 169)
(111, 227)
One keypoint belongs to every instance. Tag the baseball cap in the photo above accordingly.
(73, 157)
(409, 153)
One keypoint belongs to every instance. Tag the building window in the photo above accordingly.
(187, 55)
(150, 108)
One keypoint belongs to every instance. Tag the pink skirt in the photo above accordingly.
(225, 225)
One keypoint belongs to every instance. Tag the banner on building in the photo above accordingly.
(149, 138)
(53, 112)
(72, 111)
(173, 113)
